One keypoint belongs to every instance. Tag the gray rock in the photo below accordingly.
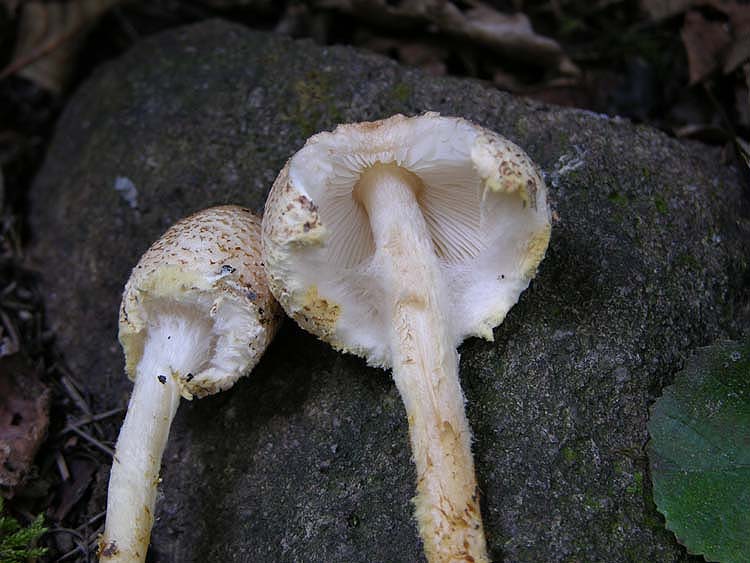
(307, 459)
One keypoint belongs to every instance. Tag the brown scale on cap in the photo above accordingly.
(209, 253)
(196, 315)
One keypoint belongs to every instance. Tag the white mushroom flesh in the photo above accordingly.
(196, 315)
(425, 365)
(395, 240)
(489, 226)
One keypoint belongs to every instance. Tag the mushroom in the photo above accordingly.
(395, 240)
(196, 314)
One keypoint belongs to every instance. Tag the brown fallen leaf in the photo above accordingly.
(737, 49)
(661, 9)
(475, 22)
(704, 132)
(430, 57)
(705, 42)
(49, 35)
(739, 22)
(256, 6)
(24, 416)
(10, 6)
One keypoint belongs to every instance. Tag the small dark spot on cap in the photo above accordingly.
(162, 379)
(227, 269)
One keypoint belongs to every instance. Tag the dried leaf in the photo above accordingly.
(739, 21)
(705, 42)
(427, 56)
(478, 23)
(661, 9)
(49, 35)
(705, 132)
(738, 54)
(24, 416)
(10, 5)
(737, 49)
(256, 6)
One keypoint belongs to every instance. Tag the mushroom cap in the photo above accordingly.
(206, 268)
(482, 198)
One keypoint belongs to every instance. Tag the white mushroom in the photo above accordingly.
(196, 315)
(395, 240)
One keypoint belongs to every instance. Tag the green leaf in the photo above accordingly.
(700, 453)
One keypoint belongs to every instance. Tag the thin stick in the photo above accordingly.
(62, 466)
(77, 538)
(94, 441)
(92, 520)
(70, 388)
(88, 419)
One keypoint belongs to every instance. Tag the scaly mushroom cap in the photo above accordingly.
(206, 268)
(484, 202)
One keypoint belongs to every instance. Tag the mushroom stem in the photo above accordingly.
(425, 367)
(174, 347)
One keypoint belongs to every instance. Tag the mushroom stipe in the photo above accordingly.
(188, 329)
(395, 240)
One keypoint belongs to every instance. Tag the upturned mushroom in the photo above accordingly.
(395, 240)
(196, 314)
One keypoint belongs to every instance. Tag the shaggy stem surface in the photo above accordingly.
(143, 437)
(425, 367)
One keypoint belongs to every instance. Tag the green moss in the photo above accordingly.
(618, 198)
(522, 126)
(591, 502)
(661, 205)
(636, 487)
(688, 261)
(314, 103)
(652, 521)
(569, 454)
(18, 544)
(401, 92)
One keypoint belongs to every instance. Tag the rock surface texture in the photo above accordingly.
(308, 459)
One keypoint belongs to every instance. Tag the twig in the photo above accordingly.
(77, 538)
(88, 419)
(70, 388)
(10, 288)
(62, 466)
(11, 330)
(93, 441)
(92, 519)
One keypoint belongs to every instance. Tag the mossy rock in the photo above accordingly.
(308, 458)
